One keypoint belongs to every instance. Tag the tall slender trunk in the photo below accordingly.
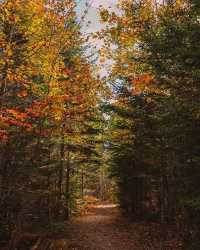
(62, 152)
(82, 183)
(101, 183)
(67, 185)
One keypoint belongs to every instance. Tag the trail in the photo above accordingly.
(104, 228)
(101, 229)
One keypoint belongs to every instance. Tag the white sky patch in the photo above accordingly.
(93, 26)
(104, 3)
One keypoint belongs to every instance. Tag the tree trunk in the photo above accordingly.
(62, 152)
(82, 183)
(67, 185)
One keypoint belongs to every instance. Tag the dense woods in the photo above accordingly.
(154, 144)
(63, 129)
(49, 119)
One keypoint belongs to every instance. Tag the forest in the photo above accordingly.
(92, 161)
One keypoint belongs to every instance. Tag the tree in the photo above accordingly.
(155, 59)
(48, 98)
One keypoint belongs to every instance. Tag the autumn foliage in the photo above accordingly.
(63, 127)
(155, 129)
(48, 105)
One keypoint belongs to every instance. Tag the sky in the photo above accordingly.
(105, 3)
(95, 25)
(93, 15)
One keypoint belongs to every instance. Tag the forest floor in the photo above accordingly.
(104, 228)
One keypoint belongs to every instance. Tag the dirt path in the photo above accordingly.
(103, 228)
